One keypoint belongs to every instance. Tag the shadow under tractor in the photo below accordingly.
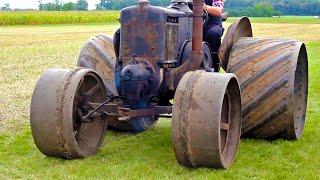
(162, 68)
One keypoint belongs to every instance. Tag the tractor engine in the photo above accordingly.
(137, 82)
(151, 39)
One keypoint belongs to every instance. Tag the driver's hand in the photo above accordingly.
(205, 7)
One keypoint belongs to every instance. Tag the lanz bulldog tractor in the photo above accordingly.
(161, 57)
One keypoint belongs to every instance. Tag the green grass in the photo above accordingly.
(27, 51)
(89, 17)
(59, 17)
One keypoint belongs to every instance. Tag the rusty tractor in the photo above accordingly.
(161, 56)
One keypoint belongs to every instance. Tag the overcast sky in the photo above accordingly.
(34, 4)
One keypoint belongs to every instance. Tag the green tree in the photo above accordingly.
(238, 7)
(82, 5)
(56, 5)
(70, 6)
(104, 4)
(263, 9)
(287, 7)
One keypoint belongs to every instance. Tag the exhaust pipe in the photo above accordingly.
(197, 31)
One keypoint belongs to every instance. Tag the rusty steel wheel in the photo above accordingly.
(273, 74)
(206, 121)
(98, 54)
(55, 110)
(237, 30)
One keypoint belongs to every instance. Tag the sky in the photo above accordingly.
(34, 4)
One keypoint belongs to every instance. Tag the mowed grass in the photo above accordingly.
(27, 51)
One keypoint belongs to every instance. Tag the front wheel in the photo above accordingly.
(54, 113)
(207, 120)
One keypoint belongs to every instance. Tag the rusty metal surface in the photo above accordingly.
(197, 30)
(195, 60)
(143, 35)
(98, 54)
(240, 28)
(126, 114)
(206, 121)
(155, 34)
(273, 75)
(56, 101)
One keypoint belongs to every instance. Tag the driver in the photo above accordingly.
(213, 30)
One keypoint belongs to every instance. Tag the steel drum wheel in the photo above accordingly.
(206, 121)
(98, 54)
(55, 121)
(273, 75)
(237, 30)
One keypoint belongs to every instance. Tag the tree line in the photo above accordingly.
(257, 8)
(273, 7)
(57, 5)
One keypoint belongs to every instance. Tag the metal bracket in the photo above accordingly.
(126, 114)
(169, 64)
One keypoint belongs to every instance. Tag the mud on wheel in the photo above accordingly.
(59, 100)
(206, 121)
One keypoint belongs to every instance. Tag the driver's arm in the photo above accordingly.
(216, 9)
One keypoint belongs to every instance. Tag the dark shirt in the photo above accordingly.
(214, 20)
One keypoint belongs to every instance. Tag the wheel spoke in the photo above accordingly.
(224, 126)
(91, 91)
(93, 105)
(81, 82)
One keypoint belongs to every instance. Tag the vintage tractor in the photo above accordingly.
(162, 57)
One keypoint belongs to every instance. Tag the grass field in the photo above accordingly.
(57, 17)
(76, 17)
(27, 51)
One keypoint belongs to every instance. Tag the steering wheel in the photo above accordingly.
(205, 13)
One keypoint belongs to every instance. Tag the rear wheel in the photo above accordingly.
(206, 119)
(273, 75)
(237, 30)
(56, 106)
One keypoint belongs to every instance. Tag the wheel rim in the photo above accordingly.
(224, 123)
(230, 123)
(89, 89)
